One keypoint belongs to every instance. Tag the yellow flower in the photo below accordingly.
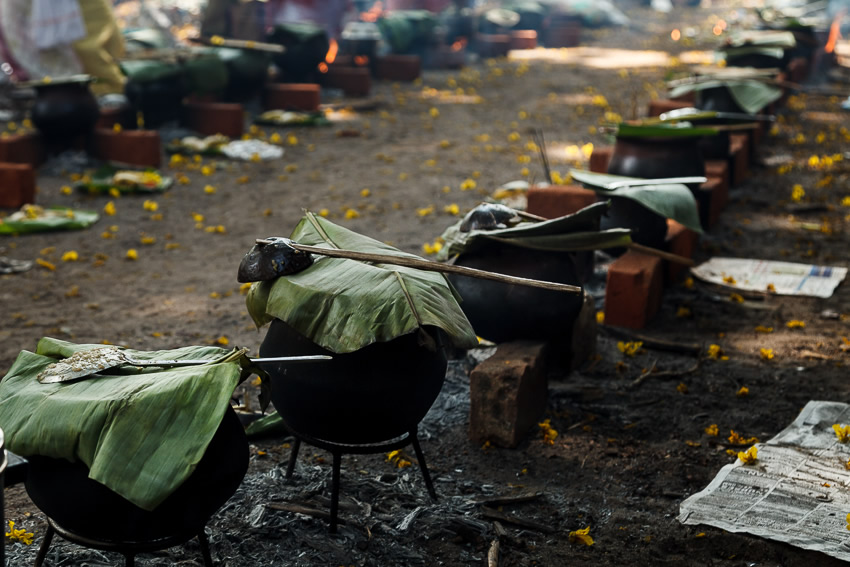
(109, 208)
(324, 213)
(132, 254)
(65, 190)
(20, 535)
(513, 137)
(750, 456)
(766, 353)
(429, 248)
(738, 439)
(682, 388)
(255, 157)
(730, 280)
(176, 159)
(763, 329)
(630, 348)
(797, 193)
(452, 209)
(688, 283)
(771, 288)
(425, 211)
(223, 341)
(148, 240)
(445, 144)
(70, 256)
(245, 288)
(600, 317)
(581, 536)
(275, 138)
(683, 312)
(743, 392)
(434, 112)
(599, 100)
(716, 353)
(711, 430)
(149, 205)
(351, 214)
(365, 192)
(842, 432)
(795, 324)
(172, 246)
(207, 170)
(291, 168)
(525, 172)
(183, 179)
(45, 264)
(736, 297)
(468, 184)
(549, 434)
(209, 189)
(523, 159)
(587, 149)
(693, 443)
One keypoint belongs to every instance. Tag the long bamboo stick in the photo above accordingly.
(430, 266)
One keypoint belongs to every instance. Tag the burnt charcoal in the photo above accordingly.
(271, 258)
(489, 216)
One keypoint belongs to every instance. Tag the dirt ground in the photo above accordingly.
(625, 456)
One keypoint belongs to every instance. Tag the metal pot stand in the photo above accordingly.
(339, 449)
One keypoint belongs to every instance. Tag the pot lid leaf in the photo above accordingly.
(752, 96)
(32, 218)
(662, 130)
(140, 432)
(344, 305)
(578, 231)
(670, 200)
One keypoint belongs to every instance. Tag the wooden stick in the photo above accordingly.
(529, 524)
(665, 373)
(656, 344)
(503, 500)
(493, 554)
(430, 266)
(675, 258)
(241, 44)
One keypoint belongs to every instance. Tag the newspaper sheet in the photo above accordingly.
(797, 492)
(787, 278)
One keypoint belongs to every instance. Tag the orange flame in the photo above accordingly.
(323, 67)
(834, 34)
(332, 51)
(361, 60)
(459, 44)
(675, 35)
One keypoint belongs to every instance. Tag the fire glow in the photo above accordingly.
(459, 44)
(675, 35)
(719, 27)
(834, 33)
(330, 57)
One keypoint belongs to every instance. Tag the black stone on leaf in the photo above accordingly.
(489, 216)
(271, 258)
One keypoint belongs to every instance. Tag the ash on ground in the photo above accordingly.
(386, 516)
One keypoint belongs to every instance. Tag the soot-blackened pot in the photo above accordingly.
(652, 158)
(503, 312)
(374, 394)
(63, 491)
(63, 111)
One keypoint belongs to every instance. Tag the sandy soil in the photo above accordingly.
(626, 456)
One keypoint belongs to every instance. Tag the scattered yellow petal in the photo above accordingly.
(763, 329)
(209, 189)
(70, 256)
(365, 192)
(223, 341)
(434, 112)
(630, 348)
(73, 292)
(581, 536)
(730, 280)
(683, 312)
(324, 213)
(797, 193)
(766, 353)
(147, 240)
(771, 288)
(736, 297)
(132, 254)
(351, 214)
(743, 392)
(45, 264)
(842, 432)
(149, 205)
(711, 430)
(716, 353)
(109, 208)
(688, 283)
(750, 456)
(452, 209)
(795, 324)
(65, 190)
(549, 433)
(425, 211)
(207, 170)
(682, 388)
(600, 317)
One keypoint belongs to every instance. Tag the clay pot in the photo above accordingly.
(650, 158)
(503, 312)
(65, 493)
(64, 111)
(374, 394)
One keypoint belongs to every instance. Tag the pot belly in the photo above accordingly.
(370, 395)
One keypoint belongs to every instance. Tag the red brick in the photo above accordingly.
(600, 157)
(633, 290)
(354, 81)
(398, 67)
(130, 147)
(292, 96)
(109, 117)
(523, 39)
(17, 185)
(492, 45)
(681, 241)
(716, 195)
(22, 148)
(507, 394)
(659, 106)
(564, 34)
(739, 158)
(558, 200)
(209, 118)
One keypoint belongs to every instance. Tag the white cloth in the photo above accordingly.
(55, 23)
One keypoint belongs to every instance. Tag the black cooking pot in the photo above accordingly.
(373, 394)
(63, 111)
(719, 99)
(65, 493)
(653, 158)
(503, 312)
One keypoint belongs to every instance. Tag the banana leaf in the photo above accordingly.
(670, 200)
(751, 96)
(662, 130)
(578, 231)
(140, 433)
(768, 51)
(207, 73)
(55, 218)
(405, 29)
(344, 305)
(149, 70)
(267, 425)
(772, 38)
(103, 180)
